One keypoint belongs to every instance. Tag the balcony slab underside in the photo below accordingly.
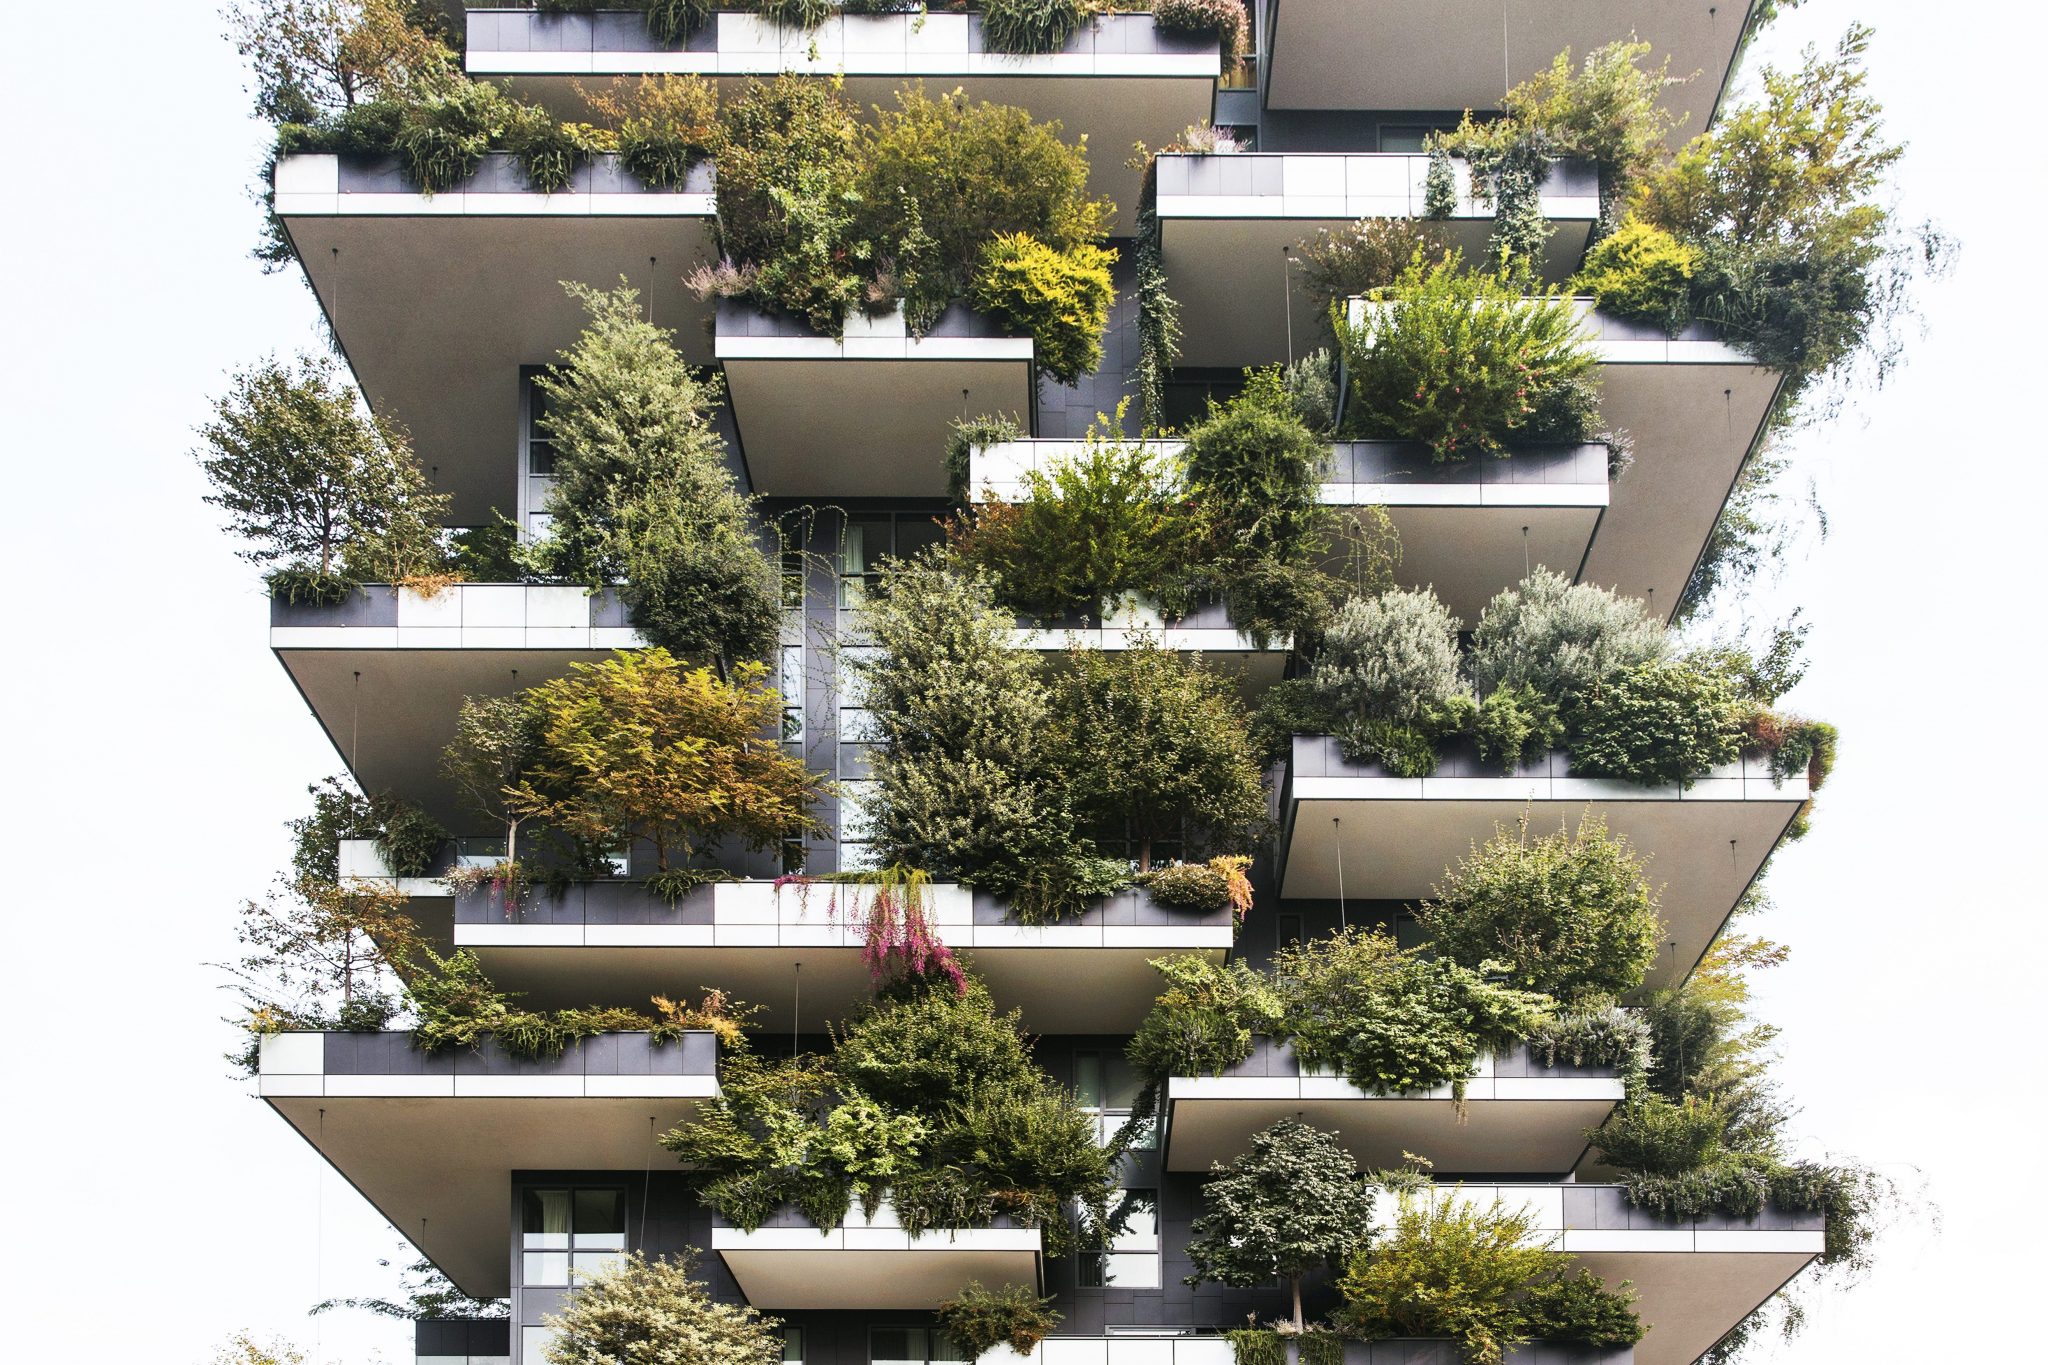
(1703, 846)
(871, 1264)
(438, 301)
(1118, 81)
(865, 415)
(1508, 1124)
(388, 697)
(436, 1138)
(1390, 54)
(1231, 251)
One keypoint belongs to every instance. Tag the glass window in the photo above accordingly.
(911, 1346)
(533, 1343)
(1131, 1260)
(1105, 1083)
(792, 1345)
(791, 685)
(1412, 139)
(569, 1234)
(1286, 929)
(540, 451)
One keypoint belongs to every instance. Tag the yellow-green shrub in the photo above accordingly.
(1061, 298)
(1642, 273)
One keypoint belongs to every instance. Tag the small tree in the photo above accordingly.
(1292, 1203)
(639, 746)
(320, 951)
(639, 1311)
(1569, 911)
(1450, 1269)
(498, 740)
(641, 491)
(1160, 743)
(244, 1349)
(322, 57)
(313, 482)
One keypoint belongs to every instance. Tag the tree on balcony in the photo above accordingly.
(327, 495)
(640, 747)
(1293, 1203)
(642, 496)
(651, 1311)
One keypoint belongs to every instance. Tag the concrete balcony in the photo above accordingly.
(1695, 1280)
(617, 942)
(865, 415)
(1518, 1117)
(437, 301)
(1118, 80)
(1468, 529)
(1230, 222)
(1462, 54)
(1391, 838)
(432, 1140)
(386, 670)
(1694, 407)
(871, 1264)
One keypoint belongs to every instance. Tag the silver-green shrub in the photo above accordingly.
(1389, 657)
(1560, 639)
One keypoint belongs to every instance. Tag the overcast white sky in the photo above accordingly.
(153, 747)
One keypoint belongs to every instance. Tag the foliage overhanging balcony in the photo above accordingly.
(1517, 1116)
(1355, 829)
(1468, 529)
(431, 1139)
(618, 941)
(437, 301)
(1695, 1280)
(1119, 79)
(1230, 223)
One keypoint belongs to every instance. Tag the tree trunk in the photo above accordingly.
(1145, 854)
(1295, 1280)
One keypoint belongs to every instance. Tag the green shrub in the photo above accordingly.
(1224, 18)
(794, 13)
(1389, 658)
(1032, 26)
(1061, 299)
(1465, 364)
(1290, 707)
(1515, 726)
(671, 21)
(1255, 467)
(651, 1312)
(662, 125)
(1559, 639)
(441, 141)
(1202, 1023)
(1360, 258)
(1406, 748)
(1570, 912)
(307, 587)
(410, 838)
(1450, 1269)
(1653, 1136)
(548, 152)
(1256, 1346)
(978, 1320)
(967, 438)
(1642, 273)
(1219, 884)
(1580, 1310)
(1600, 1035)
(1658, 724)
(1101, 522)
(1390, 1021)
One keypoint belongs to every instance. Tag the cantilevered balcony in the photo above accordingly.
(1353, 828)
(432, 1140)
(617, 942)
(1695, 1280)
(1118, 80)
(1517, 1117)
(1462, 54)
(1230, 224)
(386, 670)
(1693, 407)
(1467, 528)
(438, 300)
(865, 415)
(1215, 1349)
(871, 1263)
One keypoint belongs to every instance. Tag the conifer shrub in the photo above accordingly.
(1659, 724)
(1061, 299)
(1642, 273)
(1467, 364)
